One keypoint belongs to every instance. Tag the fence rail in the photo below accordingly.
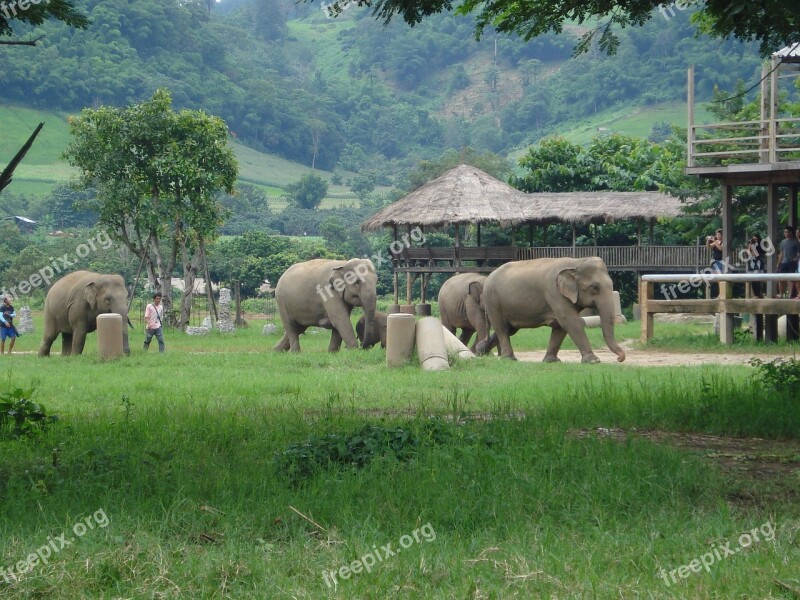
(486, 259)
(768, 141)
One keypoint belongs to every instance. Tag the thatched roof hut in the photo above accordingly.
(462, 195)
(467, 195)
(581, 208)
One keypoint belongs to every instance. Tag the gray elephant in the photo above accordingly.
(322, 293)
(378, 330)
(461, 307)
(73, 304)
(552, 292)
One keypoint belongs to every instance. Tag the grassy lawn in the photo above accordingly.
(186, 475)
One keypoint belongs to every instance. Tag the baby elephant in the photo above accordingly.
(378, 333)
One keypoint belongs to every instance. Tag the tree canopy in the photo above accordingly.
(37, 13)
(772, 23)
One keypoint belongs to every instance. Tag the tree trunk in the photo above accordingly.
(191, 264)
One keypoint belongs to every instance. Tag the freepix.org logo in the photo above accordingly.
(10, 8)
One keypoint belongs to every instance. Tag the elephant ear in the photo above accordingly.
(336, 274)
(475, 291)
(90, 293)
(568, 285)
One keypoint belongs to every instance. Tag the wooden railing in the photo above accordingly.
(485, 259)
(768, 141)
(725, 304)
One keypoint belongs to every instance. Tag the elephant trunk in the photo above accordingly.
(606, 310)
(368, 302)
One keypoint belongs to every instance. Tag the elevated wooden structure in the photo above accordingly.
(752, 153)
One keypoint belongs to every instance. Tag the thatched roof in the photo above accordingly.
(465, 194)
(598, 207)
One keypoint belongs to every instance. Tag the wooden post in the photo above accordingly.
(771, 321)
(457, 262)
(773, 110)
(573, 236)
(544, 241)
(513, 236)
(530, 235)
(395, 275)
(763, 155)
(645, 295)
(652, 221)
(727, 224)
(209, 291)
(638, 232)
(237, 298)
(479, 234)
(725, 317)
(793, 204)
(690, 133)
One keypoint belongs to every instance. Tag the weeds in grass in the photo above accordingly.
(19, 415)
(780, 375)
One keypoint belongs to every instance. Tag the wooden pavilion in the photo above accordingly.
(764, 152)
(465, 196)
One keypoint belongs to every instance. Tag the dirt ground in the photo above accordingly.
(654, 358)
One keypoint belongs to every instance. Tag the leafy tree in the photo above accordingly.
(157, 173)
(773, 23)
(308, 192)
(342, 240)
(363, 185)
(36, 14)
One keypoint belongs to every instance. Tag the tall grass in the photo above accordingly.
(179, 450)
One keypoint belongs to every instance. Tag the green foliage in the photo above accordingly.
(780, 374)
(36, 13)
(19, 415)
(358, 448)
(308, 192)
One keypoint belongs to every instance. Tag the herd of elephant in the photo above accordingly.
(323, 293)
(517, 295)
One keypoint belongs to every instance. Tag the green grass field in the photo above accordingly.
(186, 475)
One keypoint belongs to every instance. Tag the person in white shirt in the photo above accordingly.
(153, 318)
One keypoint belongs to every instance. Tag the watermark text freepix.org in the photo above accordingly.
(668, 10)
(58, 265)
(54, 545)
(717, 553)
(376, 555)
(9, 7)
(694, 281)
(359, 273)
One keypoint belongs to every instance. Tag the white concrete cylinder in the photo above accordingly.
(593, 321)
(431, 348)
(455, 345)
(400, 332)
(109, 335)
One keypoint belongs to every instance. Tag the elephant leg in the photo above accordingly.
(503, 335)
(578, 335)
(66, 344)
(336, 341)
(78, 342)
(283, 344)
(557, 336)
(47, 341)
(466, 335)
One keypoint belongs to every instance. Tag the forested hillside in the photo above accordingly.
(349, 92)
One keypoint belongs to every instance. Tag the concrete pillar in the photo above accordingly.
(109, 335)
(431, 348)
(455, 345)
(400, 332)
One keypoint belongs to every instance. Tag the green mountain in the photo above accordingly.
(350, 94)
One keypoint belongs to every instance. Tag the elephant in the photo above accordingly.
(378, 331)
(322, 293)
(552, 292)
(73, 304)
(460, 306)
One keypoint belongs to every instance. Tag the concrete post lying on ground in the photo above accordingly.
(109, 335)
(593, 321)
(400, 332)
(455, 345)
(431, 348)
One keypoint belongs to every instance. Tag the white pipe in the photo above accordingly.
(455, 345)
(431, 348)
